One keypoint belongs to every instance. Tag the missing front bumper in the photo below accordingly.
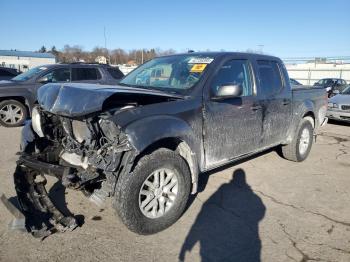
(42, 217)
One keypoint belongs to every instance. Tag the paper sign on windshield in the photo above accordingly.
(200, 60)
(198, 68)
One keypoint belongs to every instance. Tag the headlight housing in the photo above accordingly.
(109, 129)
(332, 105)
(81, 131)
(36, 122)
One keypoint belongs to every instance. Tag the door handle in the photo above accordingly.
(286, 102)
(255, 107)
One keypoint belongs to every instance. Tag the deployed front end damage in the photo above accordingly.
(85, 154)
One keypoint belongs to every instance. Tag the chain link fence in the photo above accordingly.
(310, 70)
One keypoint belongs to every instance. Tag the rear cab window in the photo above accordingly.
(85, 73)
(270, 75)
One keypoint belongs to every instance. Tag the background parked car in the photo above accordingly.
(339, 106)
(294, 82)
(8, 73)
(18, 95)
(332, 84)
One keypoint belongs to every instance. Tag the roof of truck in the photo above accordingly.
(221, 53)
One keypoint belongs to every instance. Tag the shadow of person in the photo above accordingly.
(227, 227)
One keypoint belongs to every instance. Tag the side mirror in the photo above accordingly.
(336, 92)
(43, 80)
(228, 91)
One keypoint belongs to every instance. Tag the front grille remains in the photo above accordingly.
(345, 107)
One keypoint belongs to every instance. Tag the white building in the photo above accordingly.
(24, 60)
(309, 73)
(101, 60)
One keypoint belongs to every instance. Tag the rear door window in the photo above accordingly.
(85, 73)
(270, 77)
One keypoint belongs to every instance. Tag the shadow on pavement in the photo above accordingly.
(338, 123)
(227, 227)
(57, 194)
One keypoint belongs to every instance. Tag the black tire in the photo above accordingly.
(18, 121)
(126, 201)
(292, 150)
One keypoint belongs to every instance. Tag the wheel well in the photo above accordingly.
(176, 145)
(17, 98)
(311, 117)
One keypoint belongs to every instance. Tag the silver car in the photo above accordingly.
(339, 106)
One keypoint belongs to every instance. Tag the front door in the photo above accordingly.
(232, 126)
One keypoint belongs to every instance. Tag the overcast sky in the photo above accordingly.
(283, 28)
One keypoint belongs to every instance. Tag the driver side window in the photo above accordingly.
(236, 72)
(58, 75)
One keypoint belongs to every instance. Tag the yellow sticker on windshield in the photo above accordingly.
(198, 68)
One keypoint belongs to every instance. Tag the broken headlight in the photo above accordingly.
(109, 129)
(36, 122)
(81, 131)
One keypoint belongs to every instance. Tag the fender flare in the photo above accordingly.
(147, 131)
(298, 114)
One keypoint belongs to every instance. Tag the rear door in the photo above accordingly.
(86, 74)
(276, 95)
(232, 126)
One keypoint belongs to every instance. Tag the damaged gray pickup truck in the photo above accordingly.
(145, 141)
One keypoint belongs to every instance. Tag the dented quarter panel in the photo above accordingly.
(307, 101)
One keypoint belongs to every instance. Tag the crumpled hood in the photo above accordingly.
(74, 100)
(340, 99)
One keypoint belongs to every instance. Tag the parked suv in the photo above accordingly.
(18, 95)
(7, 73)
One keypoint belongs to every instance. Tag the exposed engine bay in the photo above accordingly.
(85, 154)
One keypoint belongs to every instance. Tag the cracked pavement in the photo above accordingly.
(263, 209)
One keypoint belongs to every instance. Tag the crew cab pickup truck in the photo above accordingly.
(18, 95)
(146, 146)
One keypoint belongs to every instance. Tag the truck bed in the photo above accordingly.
(312, 97)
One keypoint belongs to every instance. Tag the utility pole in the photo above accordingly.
(104, 34)
(261, 48)
(105, 37)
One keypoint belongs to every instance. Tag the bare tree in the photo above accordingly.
(76, 53)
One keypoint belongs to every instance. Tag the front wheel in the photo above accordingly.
(299, 149)
(12, 113)
(154, 195)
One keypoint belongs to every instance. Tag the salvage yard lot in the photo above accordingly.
(266, 207)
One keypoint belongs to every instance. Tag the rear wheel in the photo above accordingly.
(12, 113)
(154, 195)
(299, 149)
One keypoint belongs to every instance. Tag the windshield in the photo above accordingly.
(173, 73)
(29, 74)
(346, 91)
